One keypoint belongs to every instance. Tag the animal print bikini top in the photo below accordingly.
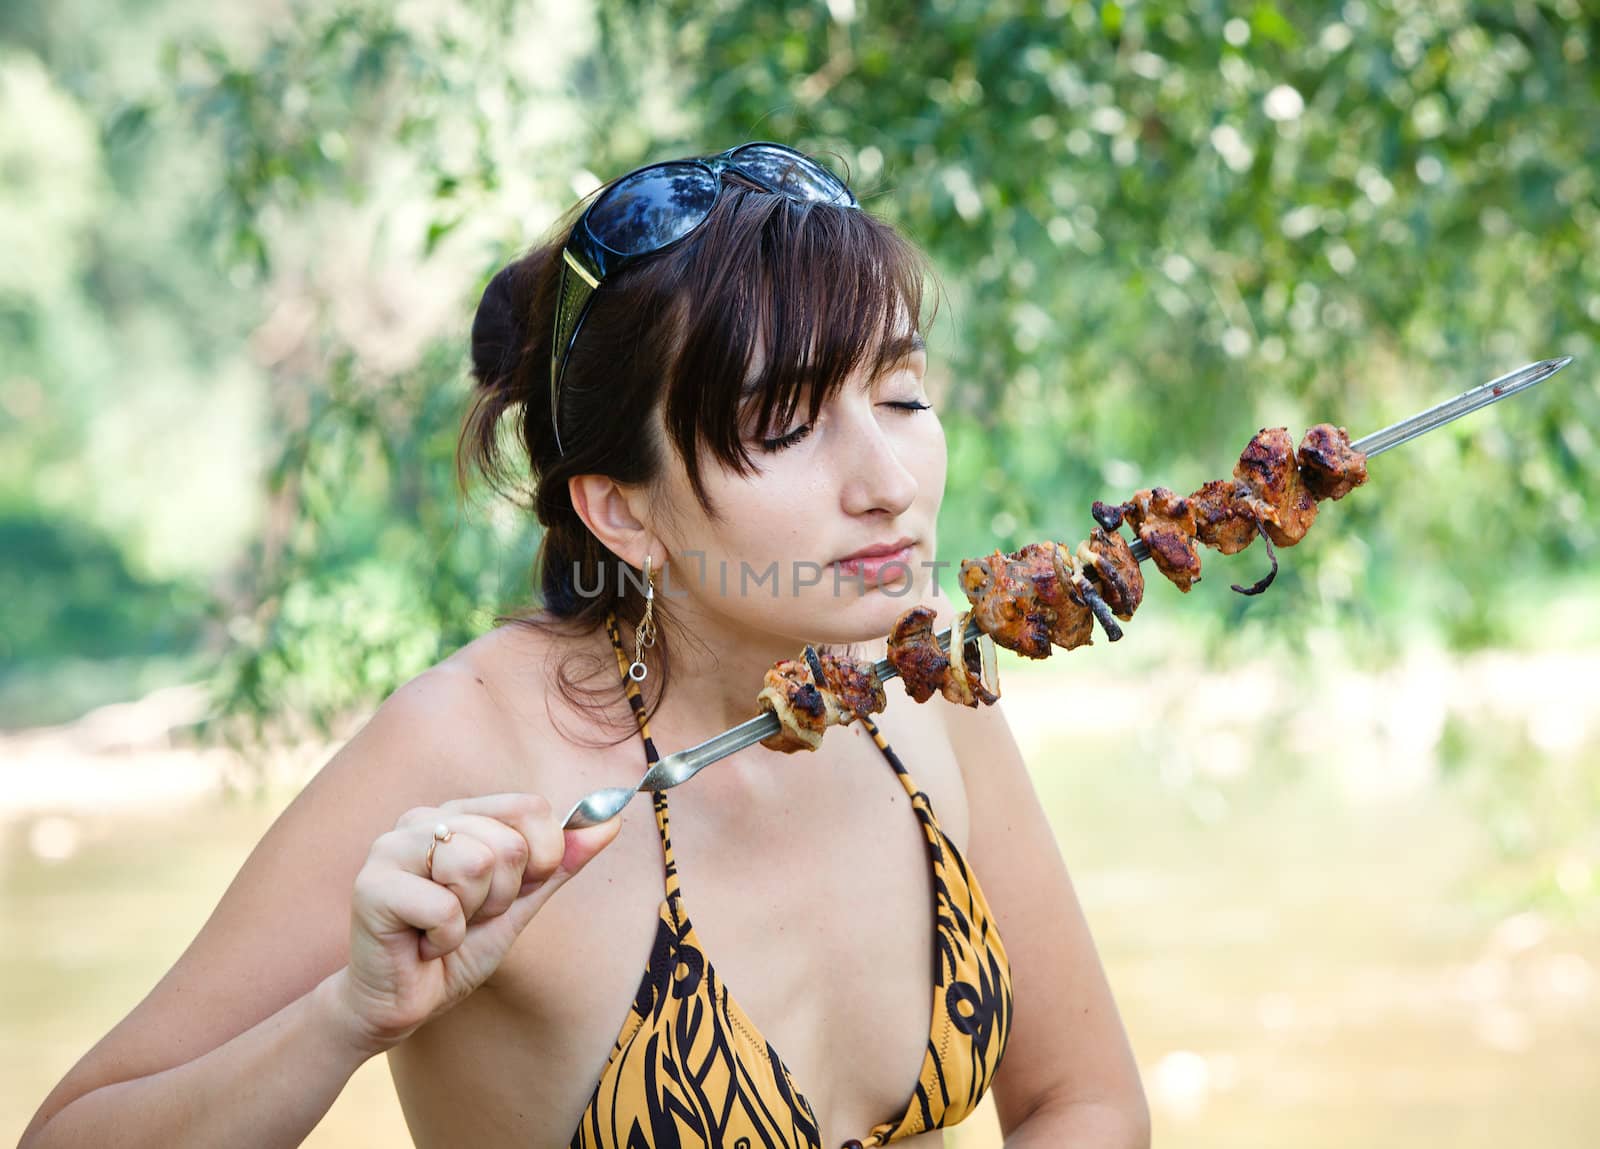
(690, 1068)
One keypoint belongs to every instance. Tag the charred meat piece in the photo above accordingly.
(1071, 623)
(963, 683)
(1166, 523)
(1085, 597)
(915, 653)
(1006, 604)
(1330, 466)
(1277, 495)
(1295, 515)
(1266, 464)
(854, 684)
(1107, 515)
(1110, 564)
(803, 710)
(1222, 520)
(1019, 601)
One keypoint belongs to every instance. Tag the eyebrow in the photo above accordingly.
(914, 344)
(899, 351)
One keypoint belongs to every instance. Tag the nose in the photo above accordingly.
(875, 477)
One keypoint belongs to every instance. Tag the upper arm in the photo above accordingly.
(283, 923)
(1067, 1042)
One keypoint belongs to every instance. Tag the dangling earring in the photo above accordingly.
(645, 636)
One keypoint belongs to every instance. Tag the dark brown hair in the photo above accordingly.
(812, 290)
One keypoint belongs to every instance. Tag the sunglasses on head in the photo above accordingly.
(653, 207)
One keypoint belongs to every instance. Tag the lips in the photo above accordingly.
(878, 564)
(880, 550)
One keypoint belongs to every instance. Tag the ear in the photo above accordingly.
(612, 511)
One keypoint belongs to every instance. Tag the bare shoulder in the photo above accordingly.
(509, 685)
(282, 925)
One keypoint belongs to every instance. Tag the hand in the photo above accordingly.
(505, 857)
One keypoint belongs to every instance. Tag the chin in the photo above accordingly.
(855, 616)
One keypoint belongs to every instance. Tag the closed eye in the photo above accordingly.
(800, 432)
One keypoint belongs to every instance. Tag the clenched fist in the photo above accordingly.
(420, 943)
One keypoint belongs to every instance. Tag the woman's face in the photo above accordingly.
(868, 473)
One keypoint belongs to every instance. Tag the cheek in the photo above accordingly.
(929, 458)
(766, 518)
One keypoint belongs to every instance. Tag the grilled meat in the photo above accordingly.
(1330, 466)
(1222, 520)
(806, 708)
(1277, 495)
(854, 684)
(963, 684)
(1105, 557)
(1006, 604)
(915, 653)
(1168, 527)
(1021, 603)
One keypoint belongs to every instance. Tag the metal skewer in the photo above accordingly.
(1437, 416)
(679, 767)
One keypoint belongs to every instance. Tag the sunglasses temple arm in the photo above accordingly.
(561, 349)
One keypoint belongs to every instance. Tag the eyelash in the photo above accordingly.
(793, 437)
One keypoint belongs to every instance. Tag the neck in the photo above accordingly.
(718, 666)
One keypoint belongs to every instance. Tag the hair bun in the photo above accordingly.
(499, 329)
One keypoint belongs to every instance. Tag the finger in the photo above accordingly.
(464, 864)
(417, 816)
(530, 815)
(450, 866)
(584, 844)
(510, 851)
(397, 902)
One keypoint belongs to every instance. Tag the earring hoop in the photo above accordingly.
(644, 636)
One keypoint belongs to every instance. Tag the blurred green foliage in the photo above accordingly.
(235, 347)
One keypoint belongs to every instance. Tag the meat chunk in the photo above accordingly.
(1330, 466)
(806, 707)
(1075, 625)
(1021, 603)
(1277, 494)
(1166, 523)
(1072, 625)
(1006, 604)
(854, 684)
(803, 710)
(915, 653)
(1222, 520)
(1105, 556)
(1295, 515)
(963, 684)
(1266, 464)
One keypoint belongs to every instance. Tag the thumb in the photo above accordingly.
(584, 844)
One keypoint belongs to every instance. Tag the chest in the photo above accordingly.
(815, 911)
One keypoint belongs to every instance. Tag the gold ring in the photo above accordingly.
(441, 833)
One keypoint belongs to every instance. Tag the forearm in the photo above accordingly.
(267, 1087)
(1086, 1125)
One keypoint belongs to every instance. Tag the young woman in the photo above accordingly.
(717, 375)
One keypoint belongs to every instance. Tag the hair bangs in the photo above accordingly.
(785, 302)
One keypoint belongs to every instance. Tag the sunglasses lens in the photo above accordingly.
(652, 208)
(792, 173)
